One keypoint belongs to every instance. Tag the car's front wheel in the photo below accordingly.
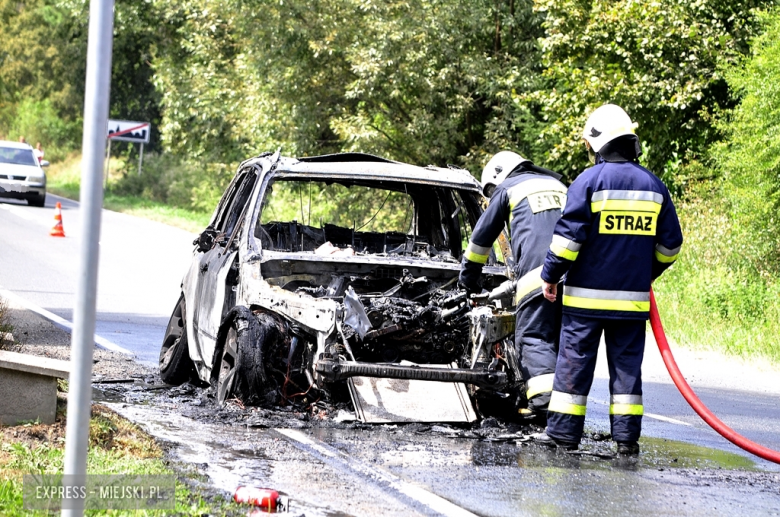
(175, 363)
(38, 200)
(242, 368)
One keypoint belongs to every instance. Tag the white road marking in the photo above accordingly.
(667, 419)
(17, 210)
(101, 342)
(429, 499)
(650, 415)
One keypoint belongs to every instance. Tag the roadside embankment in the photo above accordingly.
(117, 445)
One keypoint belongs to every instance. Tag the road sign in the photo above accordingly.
(129, 131)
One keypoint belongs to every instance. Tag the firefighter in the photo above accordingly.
(527, 199)
(619, 231)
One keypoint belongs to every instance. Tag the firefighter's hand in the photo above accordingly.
(470, 289)
(550, 291)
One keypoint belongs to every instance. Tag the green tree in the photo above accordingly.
(38, 58)
(656, 59)
(422, 81)
(43, 65)
(749, 154)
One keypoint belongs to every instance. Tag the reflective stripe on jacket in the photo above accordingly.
(618, 232)
(529, 204)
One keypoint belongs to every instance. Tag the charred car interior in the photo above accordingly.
(314, 271)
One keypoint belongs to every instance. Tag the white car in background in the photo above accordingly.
(21, 176)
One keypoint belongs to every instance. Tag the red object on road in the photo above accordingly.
(58, 230)
(697, 405)
(265, 498)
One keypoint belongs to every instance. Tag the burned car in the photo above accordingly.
(314, 271)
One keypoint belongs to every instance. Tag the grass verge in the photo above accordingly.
(64, 179)
(117, 446)
(714, 297)
(5, 324)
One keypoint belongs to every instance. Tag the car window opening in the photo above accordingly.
(301, 215)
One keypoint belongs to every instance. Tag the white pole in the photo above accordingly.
(108, 165)
(140, 158)
(96, 98)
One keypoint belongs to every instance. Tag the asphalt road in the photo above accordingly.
(141, 266)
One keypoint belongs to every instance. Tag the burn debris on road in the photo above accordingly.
(200, 404)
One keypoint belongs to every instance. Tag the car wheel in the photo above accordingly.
(37, 201)
(175, 363)
(242, 372)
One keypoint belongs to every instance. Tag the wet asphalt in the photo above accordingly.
(331, 468)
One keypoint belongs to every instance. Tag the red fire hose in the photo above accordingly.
(697, 405)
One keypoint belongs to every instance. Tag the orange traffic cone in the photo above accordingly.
(57, 231)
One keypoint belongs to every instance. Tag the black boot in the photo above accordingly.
(628, 449)
(549, 441)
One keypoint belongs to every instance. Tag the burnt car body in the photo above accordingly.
(314, 270)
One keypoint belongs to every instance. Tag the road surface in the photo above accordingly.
(141, 266)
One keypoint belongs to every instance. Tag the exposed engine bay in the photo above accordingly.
(389, 317)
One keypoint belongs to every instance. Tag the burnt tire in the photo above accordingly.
(176, 366)
(242, 368)
(502, 407)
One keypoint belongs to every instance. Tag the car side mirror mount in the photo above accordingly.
(44, 163)
(205, 240)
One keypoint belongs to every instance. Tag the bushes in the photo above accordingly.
(166, 178)
(715, 295)
(38, 121)
(749, 155)
(724, 291)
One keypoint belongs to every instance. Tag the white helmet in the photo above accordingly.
(498, 168)
(606, 124)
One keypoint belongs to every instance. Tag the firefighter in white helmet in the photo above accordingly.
(526, 199)
(619, 231)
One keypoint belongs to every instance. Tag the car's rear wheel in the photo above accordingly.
(242, 369)
(175, 363)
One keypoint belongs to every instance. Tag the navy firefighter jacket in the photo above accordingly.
(619, 231)
(529, 202)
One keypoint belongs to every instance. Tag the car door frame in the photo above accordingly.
(206, 284)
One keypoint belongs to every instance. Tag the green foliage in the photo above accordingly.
(749, 155)
(725, 289)
(38, 98)
(43, 66)
(38, 121)
(186, 183)
(314, 203)
(38, 57)
(420, 81)
(656, 59)
(713, 296)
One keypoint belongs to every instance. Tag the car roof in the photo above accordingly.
(366, 166)
(14, 145)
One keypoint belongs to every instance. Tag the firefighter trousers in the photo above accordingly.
(580, 336)
(537, 330)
